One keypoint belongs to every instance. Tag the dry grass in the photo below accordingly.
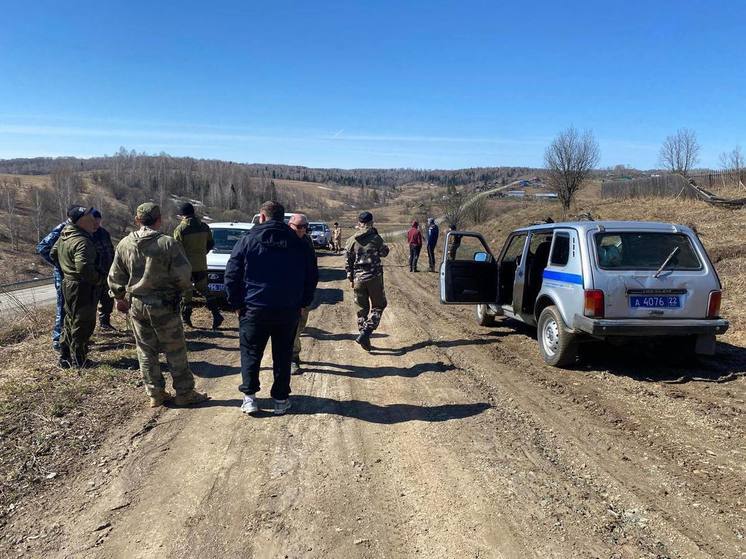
(49, 417)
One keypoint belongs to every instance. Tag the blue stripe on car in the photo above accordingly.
(562, 276)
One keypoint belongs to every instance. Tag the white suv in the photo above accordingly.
(225, 235)
(590, 279)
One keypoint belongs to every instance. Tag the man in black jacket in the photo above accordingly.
(105, 251)
(269, 279)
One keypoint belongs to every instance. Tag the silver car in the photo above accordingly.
(605, 280)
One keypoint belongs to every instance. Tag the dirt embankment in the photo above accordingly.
(446, 440)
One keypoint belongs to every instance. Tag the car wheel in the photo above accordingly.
(557, 345)
(484, 318)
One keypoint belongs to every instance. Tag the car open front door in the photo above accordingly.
(468, 273)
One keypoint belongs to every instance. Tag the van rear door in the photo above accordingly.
(468, 273)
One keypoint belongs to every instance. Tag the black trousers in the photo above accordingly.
(431, 256)
(414, 255)
(257, 326)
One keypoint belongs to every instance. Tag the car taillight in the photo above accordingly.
(594, 303)
(713, 305)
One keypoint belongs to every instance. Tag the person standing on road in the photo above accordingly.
(414, 238)
(270, 279)
(44, 249)
(105, 251)
(196, 238)
(337, 238)
(75, 254)
(148, 277)
(299, 224)
(364, 251)
(432, 240)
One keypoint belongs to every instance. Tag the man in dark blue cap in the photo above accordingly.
(105, 251)
(364, 268)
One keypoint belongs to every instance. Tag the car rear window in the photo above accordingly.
(225, 239)
(316, 227)
(645, 251)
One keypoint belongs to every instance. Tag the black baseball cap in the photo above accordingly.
(365, 217)
(186, 209)
(75, 212)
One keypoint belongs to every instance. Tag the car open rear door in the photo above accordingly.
(468, 273)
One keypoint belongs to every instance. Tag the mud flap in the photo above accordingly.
(705, 344)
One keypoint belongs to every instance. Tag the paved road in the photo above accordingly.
(14, 302)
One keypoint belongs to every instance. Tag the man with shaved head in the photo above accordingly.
(299, 224)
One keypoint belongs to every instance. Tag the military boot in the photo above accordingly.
(364, 340)
(186, 316)
(190, 398)
(104, 322)
(217, 319)
(159, 397)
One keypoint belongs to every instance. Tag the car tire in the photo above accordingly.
(484, 318)
(557, 345)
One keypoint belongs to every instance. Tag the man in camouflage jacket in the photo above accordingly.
(364, 251)
(148, 277)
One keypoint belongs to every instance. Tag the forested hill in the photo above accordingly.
(370, 178)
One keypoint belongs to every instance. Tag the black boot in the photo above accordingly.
(186, 316)
(364, 340)
(217, 319)
(65, 361)
(104, 322)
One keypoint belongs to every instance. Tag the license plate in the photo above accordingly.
(215, 286)
(655, 301)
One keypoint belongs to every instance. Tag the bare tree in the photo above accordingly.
(680, 152)
(733, 162)
(40, 205)
(478, 209)
(66, 185)
(9, 190)
(454, 211)
(569, 160)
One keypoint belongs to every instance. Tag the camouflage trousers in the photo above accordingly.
(200, 281)
(370, 299)
(79, 320)
(301, 326)
(158, 329)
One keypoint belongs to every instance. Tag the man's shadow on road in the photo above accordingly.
(203, 369)
(398, 352)
(323, 335)
(365, 411)
(363, 372)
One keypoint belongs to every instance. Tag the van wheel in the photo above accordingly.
(483, 317)
(557, 345)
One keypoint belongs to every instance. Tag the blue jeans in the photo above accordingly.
(59, 318)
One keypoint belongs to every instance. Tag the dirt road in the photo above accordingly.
(447, 440)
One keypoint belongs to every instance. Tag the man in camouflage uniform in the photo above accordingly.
(76, 256)
(336, 238)
(364, 251)
(299, 224)
(149, 274)
(196, 238)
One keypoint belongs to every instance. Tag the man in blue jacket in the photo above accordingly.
(432, 239)
(43, 249)
(269, 279)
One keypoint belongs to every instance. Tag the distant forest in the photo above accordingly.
(364, 178)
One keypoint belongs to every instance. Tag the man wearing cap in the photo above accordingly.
(299, 224)
(364, 251)
(196, 238)
(269, 279)
(337, 238)
(105, 250)
(149, 274)
(75, 254)
(44, 249)
(433, 231)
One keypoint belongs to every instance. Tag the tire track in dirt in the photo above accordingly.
(705, 529)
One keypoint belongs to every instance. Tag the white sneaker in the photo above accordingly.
(281, 406)
(249, 404)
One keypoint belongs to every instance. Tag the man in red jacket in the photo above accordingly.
(414, 237)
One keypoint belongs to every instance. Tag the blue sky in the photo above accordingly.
(377, 84)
